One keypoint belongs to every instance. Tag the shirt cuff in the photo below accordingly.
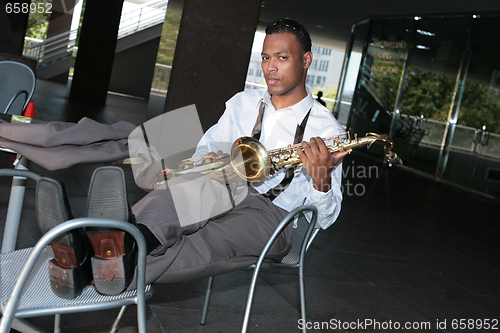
(322, 201)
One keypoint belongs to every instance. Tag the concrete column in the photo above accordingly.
(96, 51)
(212, 55)
(60, 22)
(12, 27)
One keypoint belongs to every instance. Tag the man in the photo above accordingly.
(280, 115)
(234, 240)
(322, 102)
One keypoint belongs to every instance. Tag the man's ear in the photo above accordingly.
(307, 59)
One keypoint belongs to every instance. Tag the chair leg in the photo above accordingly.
(251, 292)
(207, 300)
(302, 300)
(118, 319)
(57, 323)
(15, 207)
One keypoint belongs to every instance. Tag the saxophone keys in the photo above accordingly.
(208, 159)
(186, 165)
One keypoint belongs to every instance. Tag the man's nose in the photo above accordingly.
(272, 65)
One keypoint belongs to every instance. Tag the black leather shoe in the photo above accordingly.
(115, 251)
(69, 270)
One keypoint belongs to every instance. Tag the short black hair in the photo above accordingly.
(293, 27)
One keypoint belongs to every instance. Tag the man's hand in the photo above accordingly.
(221, 154)
(318, 162)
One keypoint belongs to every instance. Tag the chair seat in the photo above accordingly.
(38, 298)
(302, 236)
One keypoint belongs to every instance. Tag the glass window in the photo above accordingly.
(320, 81)
(435, 60)
(475, 149)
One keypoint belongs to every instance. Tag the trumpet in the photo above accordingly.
(250, 160)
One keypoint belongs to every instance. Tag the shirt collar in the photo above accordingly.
(300, 109)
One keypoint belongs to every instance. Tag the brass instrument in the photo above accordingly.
(252, 162)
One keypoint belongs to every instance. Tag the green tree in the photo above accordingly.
(480, 106)
(428, 94)
(38, 20)
(330, 92)
(168, 39)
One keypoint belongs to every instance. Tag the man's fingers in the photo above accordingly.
(314, 146)
(339, 156)
(321, 145)
(306, 149)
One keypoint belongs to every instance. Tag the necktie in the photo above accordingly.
(257, 128)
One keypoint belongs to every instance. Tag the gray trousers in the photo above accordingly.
(230, 241)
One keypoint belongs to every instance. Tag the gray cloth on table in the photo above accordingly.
(59, 145)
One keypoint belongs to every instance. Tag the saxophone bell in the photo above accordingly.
(250, 159)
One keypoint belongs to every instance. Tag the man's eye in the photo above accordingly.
(265, 58)
(283, 58)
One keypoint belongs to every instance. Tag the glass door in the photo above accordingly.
(474, 159)
(380, 77)
(350, 72)
(437, 53)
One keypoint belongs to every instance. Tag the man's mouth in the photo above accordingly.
(272, 80)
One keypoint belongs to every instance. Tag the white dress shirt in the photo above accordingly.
(278, 131)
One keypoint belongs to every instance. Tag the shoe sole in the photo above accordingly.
(67, 277)
(109, 265)
(66, 283)
(112, 267)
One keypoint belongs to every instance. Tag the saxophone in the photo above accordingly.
(252, 162)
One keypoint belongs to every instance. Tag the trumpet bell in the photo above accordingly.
(250, 159)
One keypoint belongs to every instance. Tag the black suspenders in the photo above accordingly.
(299, 133)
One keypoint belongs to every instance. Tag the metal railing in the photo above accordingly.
(50, 49)
(63, 45)
(150, 13)
(161, 77)
(467, 139)
(29, 50)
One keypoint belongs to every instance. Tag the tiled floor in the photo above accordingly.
(405, 251)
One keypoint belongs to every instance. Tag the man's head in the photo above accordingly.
(286, 56)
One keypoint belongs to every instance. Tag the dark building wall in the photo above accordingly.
(212, 54)
(12, 29)
(60, 22)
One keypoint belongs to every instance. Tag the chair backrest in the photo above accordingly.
(298, 238)
(16, 87)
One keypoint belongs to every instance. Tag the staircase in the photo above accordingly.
(54, 55)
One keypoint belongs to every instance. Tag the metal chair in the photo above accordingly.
(25, 287)
(302, 237)
(16, 87)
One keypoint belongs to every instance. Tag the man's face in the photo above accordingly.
(283, 64)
